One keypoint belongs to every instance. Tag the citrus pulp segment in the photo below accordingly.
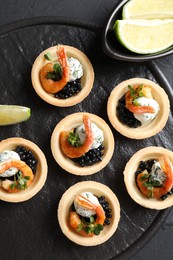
(148, 9)
(144, 36)
(12, 114)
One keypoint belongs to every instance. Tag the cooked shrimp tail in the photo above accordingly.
(26, 171)
(137, 91)
(72, 151)
(76, 224)
(100, 215)
(50, 85)
(136, 109)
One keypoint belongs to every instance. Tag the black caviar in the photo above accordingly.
(126, 116)
(28, 157)
(70, 89)
(163, 197)
(107, 210)
(91, 157)
(144, 165)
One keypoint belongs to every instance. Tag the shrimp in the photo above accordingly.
(146, 91)
(87, 204)
(23, 167)
(157, 192)
(50, 85)
(72, 151)
(75, 223)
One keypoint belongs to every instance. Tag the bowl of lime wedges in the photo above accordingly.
(139, 30)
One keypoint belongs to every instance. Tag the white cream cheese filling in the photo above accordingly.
(9, 155)
(97, 134)
(146, 117)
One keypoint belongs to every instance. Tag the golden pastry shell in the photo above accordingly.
(148, 153)
(66, 202)
(87, 79)
(145, 131)
(40, 175)
(67, 124)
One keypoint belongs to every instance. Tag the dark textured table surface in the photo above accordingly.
(95, 12)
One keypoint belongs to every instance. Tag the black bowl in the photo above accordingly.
(115, 50)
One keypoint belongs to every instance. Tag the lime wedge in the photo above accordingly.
(144, 36)
(12, 114)
(148, 9)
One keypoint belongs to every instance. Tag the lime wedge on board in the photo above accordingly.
(144, 36)
(148, 9)
(12, 114)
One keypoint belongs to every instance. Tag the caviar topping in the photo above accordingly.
(28, 157)
(70, 89)
(91, 157)
(125, 116)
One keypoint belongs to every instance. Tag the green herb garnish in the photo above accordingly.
(135, 102)
(80, 227)
(56, 74)
(150, 183)
(92, 219)
(97, 229)
(144, 177)
(132, 91)
(93, 228)
(20, 182)
(48, 56)
(150, 194)
(13, 186)
(89, 227)
(139, 90)
(57, 68)
(135, 93)
(74, 139)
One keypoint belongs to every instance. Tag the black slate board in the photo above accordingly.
(30, 230)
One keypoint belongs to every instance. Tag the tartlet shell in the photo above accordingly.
(142, 132)
(40, 175)
(67, 124)
(87, 79)
(152, 152)
(66, 202)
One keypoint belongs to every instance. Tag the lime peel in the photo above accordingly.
(13, 114)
